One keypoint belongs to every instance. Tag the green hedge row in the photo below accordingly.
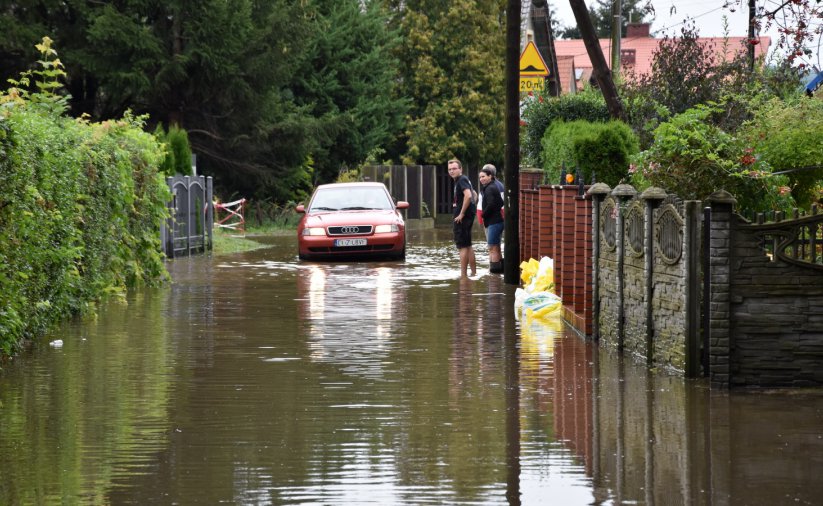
(539, 113)
(602, 149)
(80, 209)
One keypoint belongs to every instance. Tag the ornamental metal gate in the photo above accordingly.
(191, 216)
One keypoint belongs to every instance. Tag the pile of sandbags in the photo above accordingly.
(537, 300)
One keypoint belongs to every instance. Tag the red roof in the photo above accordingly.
(644, 47)
(565, 69)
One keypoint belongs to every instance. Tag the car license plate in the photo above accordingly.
(349, 242)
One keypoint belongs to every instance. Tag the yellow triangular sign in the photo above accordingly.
(531, 63)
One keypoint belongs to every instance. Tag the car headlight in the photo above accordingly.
(314, 231)
(384, 229)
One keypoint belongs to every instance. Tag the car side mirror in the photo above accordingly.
(402, 204)
(300, 208)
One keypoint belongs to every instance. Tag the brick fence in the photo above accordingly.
(555, 221)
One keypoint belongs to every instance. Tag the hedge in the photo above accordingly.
(79, 212)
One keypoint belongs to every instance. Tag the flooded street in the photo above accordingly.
(257, 379)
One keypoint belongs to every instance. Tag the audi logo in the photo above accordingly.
(349, 230)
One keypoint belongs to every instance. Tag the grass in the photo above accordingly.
(227, 241)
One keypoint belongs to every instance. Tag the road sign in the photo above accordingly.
(532, 83)
(531, 63)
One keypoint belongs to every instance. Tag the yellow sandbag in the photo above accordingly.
(541, 280)
(544, 313)
(541, 305)
(528, 268)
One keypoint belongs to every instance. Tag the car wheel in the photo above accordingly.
(402, 254)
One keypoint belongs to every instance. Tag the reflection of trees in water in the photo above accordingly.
(108, 398)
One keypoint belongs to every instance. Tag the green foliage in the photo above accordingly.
(46, 80)
(348, 176)
(692, 158)
(177, 159)
(347, 80)
(452, 63)
(602, 149)
(261, 88)
(788, 135)
(686, 73)
(265, 216)
(541, 111)
(79, 212)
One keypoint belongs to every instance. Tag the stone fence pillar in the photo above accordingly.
(719, 269)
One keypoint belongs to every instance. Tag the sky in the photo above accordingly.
(707, 14)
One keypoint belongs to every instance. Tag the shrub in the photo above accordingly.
(79, 211)
(692, 158)
(602, 149)
(540, 112)
(177, 159)
(788, 135)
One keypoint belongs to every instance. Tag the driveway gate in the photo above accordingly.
(189, 227)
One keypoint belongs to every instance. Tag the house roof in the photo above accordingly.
(643, 49)
(565, 69)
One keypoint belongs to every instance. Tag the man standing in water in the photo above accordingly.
(464, 210)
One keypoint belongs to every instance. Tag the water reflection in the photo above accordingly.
(350, 313)
(256, 379)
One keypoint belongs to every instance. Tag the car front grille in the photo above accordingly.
(351, 230)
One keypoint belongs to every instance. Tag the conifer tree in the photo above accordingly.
(347, 81)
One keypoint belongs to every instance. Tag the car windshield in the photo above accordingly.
(350, 199)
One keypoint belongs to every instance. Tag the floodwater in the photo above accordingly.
(256, 379)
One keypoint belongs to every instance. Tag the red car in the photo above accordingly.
(351, 219)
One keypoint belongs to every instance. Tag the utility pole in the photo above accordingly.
(752, 34)
(511, 256)
(617, 34)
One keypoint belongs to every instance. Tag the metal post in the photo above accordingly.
(187, 179)
(210, 211)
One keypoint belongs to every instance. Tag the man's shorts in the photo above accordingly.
(463, 232)
(494, 234)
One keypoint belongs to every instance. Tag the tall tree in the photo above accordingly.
(274, 95)
(23, 23)
(452, 65)
(347, 81)
(220, 69)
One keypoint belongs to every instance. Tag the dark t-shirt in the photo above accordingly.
(457, 203)
(492, 204)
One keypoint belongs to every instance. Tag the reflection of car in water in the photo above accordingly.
(351, 219)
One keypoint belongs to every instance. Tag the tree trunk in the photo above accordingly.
(601, 71)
